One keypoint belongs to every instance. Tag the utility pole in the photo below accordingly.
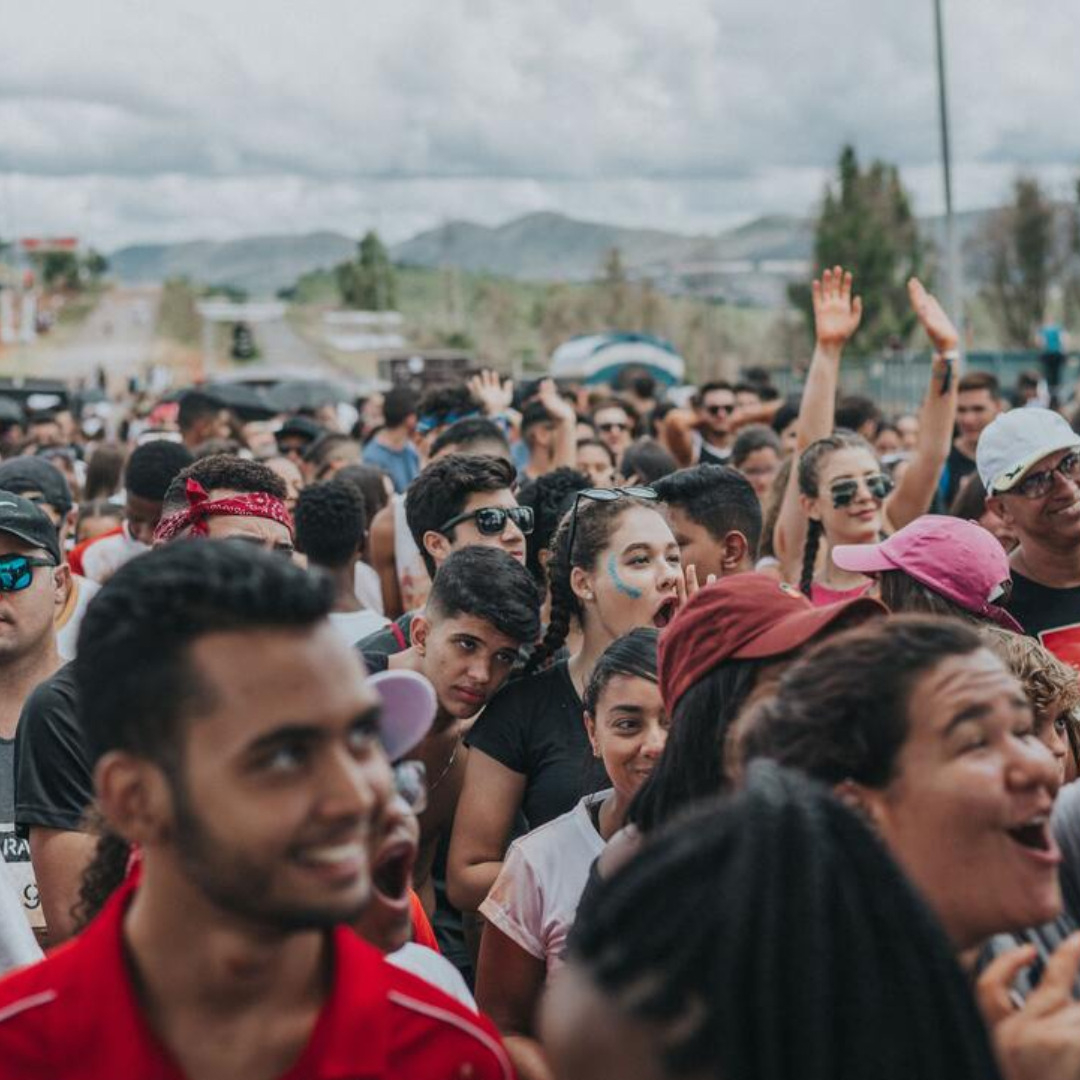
(954, 289)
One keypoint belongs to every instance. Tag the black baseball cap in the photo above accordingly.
(303, 426)
(23, 474)
(20, 518)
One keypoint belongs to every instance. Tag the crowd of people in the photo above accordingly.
(545, 731)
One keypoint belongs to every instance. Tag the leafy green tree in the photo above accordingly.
(97, 266)
(867, 226)
(368, 283)
(60, 270)
(616, 304)
(1018, 246)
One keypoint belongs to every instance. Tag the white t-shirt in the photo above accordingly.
(535, 897)
(68, 634)
(102, 558)
(433, 968)
(18, 946)
(353, 626)
(368, 588)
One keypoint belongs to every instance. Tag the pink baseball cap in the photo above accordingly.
(958, 559)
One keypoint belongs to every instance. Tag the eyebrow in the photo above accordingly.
(637, 710)
(980, 712)
(312, 733)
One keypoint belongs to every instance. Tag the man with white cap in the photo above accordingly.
(238, 745)
(1029, 462)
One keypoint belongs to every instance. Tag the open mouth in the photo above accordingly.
(393, 872)
(665, 613)
(1034, 834)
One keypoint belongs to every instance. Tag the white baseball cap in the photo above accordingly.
(1014, 442)
(408, 709)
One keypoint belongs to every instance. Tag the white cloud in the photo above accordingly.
(130, 121)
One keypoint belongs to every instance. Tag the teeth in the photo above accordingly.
(328, 856)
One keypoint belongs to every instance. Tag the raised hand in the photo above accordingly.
(931, 314)
(559, 409)
(493, 394)
(836, 312)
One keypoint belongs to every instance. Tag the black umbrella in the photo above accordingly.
(10, 411)
(248, 402)
(296, 394)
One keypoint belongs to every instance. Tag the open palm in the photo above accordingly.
(836, 312)
(931, 314)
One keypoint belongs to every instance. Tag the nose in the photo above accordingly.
(655, 741)
(353, 788)
(479, 670)
(1032, 765)
(667, 575)
(512, 536)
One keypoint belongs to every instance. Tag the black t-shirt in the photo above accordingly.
(536, 726)
(713, 455)
(1051, 615)
(54, 783)
(958, 467)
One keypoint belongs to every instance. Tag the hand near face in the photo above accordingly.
(836, 313)
(931, 315)
(1039, 1039)
(557, 406)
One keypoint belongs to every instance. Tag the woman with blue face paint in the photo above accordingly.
(614, 567)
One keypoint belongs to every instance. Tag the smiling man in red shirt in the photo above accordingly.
(238, 744)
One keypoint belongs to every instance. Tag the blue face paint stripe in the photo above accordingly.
(613, 573)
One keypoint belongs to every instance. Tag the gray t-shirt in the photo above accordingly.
(18, 870)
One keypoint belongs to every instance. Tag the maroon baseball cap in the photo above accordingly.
(745, 617)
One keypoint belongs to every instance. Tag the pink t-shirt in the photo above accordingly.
(820, 595)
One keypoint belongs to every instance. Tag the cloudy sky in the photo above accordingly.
(125, 121)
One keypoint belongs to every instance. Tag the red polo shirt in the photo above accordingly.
(74, 1016)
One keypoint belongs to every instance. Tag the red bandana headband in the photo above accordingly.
(200, 507)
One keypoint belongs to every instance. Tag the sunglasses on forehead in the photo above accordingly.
(844, 492)
(605, 495)
(491, 520)
(17, 571)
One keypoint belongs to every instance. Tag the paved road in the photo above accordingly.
(117, 335)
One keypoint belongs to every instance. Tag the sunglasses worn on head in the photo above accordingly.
(1039, 484)
(17, 571)
(604, 495)
(843, 492)
(491, 520)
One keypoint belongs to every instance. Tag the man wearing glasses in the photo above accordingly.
(34, 586)
(715, 407)
(1029, 461)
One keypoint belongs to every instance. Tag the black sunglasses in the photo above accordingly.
(614, 426)
(716, 410)
(843, 492)
(17, 571)
(491, 520)
(604, 495)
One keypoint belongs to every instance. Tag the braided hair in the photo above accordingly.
(596, 522)
(810, 462)
(758, 936)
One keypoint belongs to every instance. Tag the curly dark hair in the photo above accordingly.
(223, 472)
(442, 489)
(153, 466)
(549, 496)
(134, 679)
(758, 936)
(330, 523)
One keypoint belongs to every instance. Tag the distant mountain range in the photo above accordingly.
(749, 264)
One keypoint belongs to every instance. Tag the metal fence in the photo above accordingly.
(898, 382)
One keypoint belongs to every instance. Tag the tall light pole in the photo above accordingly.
(954, 293)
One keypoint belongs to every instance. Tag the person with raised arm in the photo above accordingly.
(837, 491)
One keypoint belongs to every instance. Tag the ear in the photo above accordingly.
(590, 730)
(62, 585)
(581, 583)
(864, 801)
(996, 504)
(437, 546)
(733, 551)
(419, 631)
(809, 507)
(134, 798)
